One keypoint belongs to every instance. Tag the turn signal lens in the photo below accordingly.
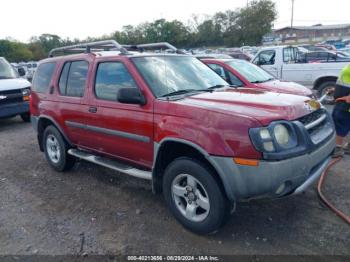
(26, 98)
(246, 162)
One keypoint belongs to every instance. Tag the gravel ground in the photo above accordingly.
(94, 210)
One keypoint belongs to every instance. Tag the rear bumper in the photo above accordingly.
(273, 179)
(8, 110)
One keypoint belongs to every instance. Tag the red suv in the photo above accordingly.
(245, 74)
(170, 119)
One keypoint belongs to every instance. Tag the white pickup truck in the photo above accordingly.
(283, 62)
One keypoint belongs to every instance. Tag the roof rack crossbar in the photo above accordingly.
(87, 47)
(154, 45)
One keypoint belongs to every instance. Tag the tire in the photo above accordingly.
(55, 149)
(322, 90)
(204, 209)
(25, 117)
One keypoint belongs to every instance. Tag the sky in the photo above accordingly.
(21, 19)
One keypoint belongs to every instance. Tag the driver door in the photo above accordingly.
(266, 60)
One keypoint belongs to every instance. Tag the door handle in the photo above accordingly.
(92, 109)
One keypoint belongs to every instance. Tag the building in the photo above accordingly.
(312, 34)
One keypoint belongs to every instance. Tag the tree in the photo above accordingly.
(209, 33)
(255, 21)
(15, 51)
(244, 26)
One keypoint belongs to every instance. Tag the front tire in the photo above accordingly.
(25, 117)
(194, 196)
(55, 149)
(323, 88)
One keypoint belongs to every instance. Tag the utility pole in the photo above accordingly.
(291, 21)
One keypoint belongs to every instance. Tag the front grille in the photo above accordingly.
(11, 96)
(318, 125)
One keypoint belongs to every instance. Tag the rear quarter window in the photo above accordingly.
(42, 77)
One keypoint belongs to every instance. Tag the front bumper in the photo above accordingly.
(273, 179)
(8, 110)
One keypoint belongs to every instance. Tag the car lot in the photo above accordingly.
(97, 211)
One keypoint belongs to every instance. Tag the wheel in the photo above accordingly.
(25, 117)
(194, 196)
(55, 149)
(324, 88)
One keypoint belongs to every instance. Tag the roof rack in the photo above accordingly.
(87, 47)
(141, 47)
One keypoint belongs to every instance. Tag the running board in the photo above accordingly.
(112, 164)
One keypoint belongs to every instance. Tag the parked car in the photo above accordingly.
(240, 55)
(31, 67)
(345, 50)
(336, 43)
(327, 46)
(212, 55)
(245, 74)
(170, 119)
(284, 63)
(322, 56)
(14, 92)
(312, 48)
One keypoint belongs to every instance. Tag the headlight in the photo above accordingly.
(265, 134)
(281, 134)
(26, 93)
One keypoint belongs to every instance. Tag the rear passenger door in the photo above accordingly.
(123, 131)
(72, 99)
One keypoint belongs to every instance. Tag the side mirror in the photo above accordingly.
(21, 71)
(131, 95)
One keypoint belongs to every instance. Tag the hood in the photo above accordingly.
(285, 87)
(12, 84)
(260, 105)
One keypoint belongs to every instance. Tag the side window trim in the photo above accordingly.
(66, 80)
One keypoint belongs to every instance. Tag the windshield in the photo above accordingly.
(253, 73)
(168, 74)
(6, 70)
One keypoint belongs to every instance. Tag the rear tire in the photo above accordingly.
(194, 196)
(25, 117)
(322, 89)
(55, 149)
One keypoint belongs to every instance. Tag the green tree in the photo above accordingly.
(255, 21)
(15, 51)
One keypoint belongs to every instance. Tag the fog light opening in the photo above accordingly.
(280, 189)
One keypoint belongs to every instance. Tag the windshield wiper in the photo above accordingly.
(215, 87)
(262, 81)
(186, 91)
(183, 91)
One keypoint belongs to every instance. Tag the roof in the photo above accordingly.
(107, 54)
(316, 27)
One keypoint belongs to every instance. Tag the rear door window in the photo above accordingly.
(42, 77)
(290, 55)
(72, 81)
